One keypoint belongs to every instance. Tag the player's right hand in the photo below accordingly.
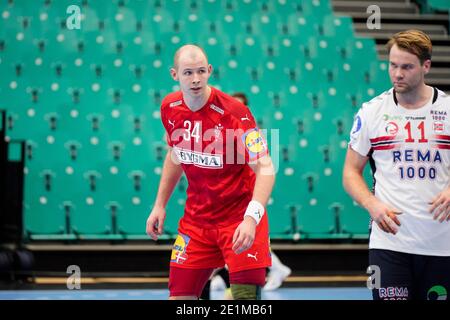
(385, 216)
(155, 222)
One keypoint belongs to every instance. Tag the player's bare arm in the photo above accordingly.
(265, 178)
(440, 206)
(171, 173)
(383, 214)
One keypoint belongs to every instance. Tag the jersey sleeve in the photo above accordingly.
(165, 123)
(359, 134)
(251, 143)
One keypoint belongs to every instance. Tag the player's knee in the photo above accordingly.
(245, 291)
(246, 284)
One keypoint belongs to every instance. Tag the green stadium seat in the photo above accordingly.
(303, 26)
(266, 25)
(282, 207)
(439, 4)
(316, 218)
(247, 7)
(354, 219)
(215, 9)
(136, 202)
(43, 199)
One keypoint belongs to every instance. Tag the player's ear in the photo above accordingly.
(174, 74)
(426, 66)
(210, 68)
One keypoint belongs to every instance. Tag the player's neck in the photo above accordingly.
(415, 99)
(196, 103)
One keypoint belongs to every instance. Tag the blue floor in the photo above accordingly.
(162, 294)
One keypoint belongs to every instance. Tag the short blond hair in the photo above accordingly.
(413, 41)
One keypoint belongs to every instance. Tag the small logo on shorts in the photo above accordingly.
(179, 254)
(252, 256)
(437, 293)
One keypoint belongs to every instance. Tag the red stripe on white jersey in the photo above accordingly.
(382, 138)
(385, 147)
(441, 137)
(443, 146)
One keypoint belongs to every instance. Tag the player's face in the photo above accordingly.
(193, 74)
(405, 70)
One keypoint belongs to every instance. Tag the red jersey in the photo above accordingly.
(214, 146)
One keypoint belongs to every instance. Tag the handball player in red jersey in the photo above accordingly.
(214, 140)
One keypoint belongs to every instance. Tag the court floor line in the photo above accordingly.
(94, 280)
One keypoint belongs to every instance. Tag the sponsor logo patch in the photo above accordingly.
(391, 128)
(357, 124)
(176, 103)
(179, 249)
(438, 115)
(198, 159)
(216, 108)
(438, 127)
(387, 117)
(254, 143)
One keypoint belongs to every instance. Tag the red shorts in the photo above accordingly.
(198, 248)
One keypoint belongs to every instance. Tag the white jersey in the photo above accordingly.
(409, 152)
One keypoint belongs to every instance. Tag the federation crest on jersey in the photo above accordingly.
(357, 124)
(254, 143)
(217, 130)
(391, 128)
(179, 249)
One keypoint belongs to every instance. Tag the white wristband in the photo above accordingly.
(255, 210)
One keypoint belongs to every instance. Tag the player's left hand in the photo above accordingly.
(244, 235)
(440, 206)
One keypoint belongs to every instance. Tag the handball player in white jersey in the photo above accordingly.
(404, 134)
